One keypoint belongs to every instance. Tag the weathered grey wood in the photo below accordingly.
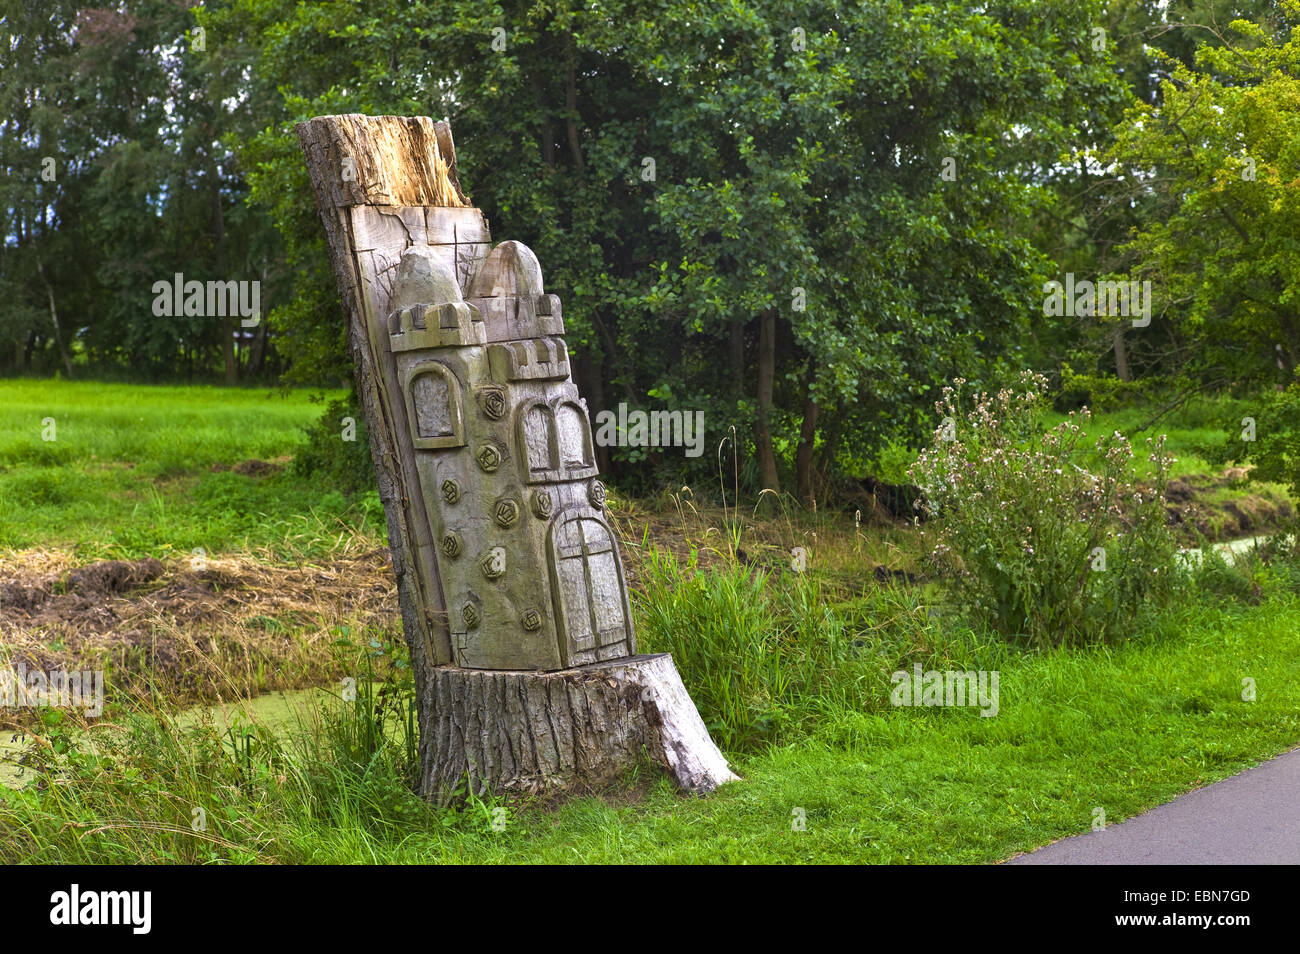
(486, 467)
(569, 731)
(492, 480)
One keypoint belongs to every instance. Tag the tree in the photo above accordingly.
(1086, 227)
(745, 208)
(117, 177)
(1218, 155)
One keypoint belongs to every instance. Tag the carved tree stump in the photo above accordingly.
(513, 596)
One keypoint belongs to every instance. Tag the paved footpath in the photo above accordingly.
(1251, 818)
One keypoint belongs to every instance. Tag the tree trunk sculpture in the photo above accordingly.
(513, 596)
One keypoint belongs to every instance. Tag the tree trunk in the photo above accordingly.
(228, 321)
(573, 731)
(766, 382)
(804, 456)
(494, 708)
(1121, 355)
(736, 362)
(54, 318)
(257, 353)
(1290, 355)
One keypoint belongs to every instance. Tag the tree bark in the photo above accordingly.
(766, 382)
(804, 456)
(227, 320)
(1121, 356)
(257, 353)
(736, 363)
(54, 318)
(576, 730)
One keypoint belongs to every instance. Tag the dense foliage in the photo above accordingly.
(799, 218)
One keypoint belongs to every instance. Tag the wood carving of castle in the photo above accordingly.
(509, 524)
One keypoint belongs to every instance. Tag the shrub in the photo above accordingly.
(1240, 580)
(1035, 544)
(1275, 451)
(1105, 392)
(331, 461)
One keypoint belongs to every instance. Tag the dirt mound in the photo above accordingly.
(257, 468)
(114, 576)
(1179, 491)
(254, 467)
(1217, 507)
(188, 629)
(29, 591)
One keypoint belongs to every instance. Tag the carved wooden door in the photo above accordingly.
(587, 579)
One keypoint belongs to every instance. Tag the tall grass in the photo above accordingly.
(769, 654)
(154, 787)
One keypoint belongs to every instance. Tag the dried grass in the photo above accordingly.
(233, 626)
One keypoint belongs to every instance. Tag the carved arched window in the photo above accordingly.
(573, 433)
(433, 406)
(537, 439)
(555, 442)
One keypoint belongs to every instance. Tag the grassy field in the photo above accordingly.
(1200, 425)
(137, 471)
(791, 671)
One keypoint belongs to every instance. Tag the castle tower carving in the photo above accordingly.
(517, 532)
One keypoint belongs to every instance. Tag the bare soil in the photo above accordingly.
(1216, 507)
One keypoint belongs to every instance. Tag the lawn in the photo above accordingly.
(133, 471)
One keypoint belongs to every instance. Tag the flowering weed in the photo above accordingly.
(1039, 546)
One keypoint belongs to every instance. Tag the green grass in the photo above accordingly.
(1202, 423)
(136, 470)
(1203, 427)
(1123, 729)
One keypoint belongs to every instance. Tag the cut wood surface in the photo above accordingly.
(394, 160)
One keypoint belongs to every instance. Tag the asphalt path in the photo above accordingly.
(1252, 818)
